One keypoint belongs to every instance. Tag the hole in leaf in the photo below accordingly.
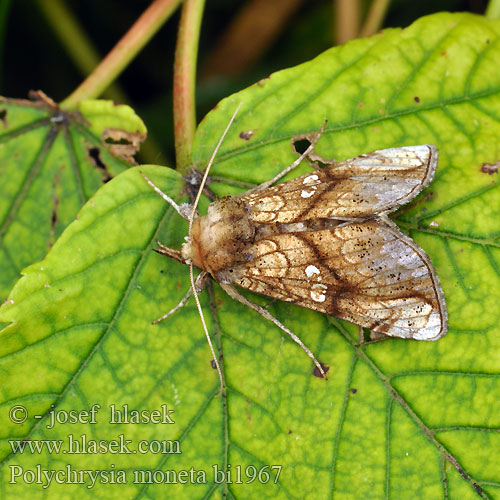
(3, 117)
(95, 158)
(53, 216)
(122, 140)
(301, 145)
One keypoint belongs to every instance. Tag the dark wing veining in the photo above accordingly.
(368, 273)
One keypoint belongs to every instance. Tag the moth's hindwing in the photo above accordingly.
(368, 273)
(370, 184)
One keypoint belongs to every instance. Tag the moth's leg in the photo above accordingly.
(306, 153)
(183, 210)
(182, 303)
(209, 194)
(270, 303)
(201, 281)
(233, 293)
(375, 338)
(316, 160)
(193, 183)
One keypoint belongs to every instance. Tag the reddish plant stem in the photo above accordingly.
(346, 20)
(124, 51)
(186, 54)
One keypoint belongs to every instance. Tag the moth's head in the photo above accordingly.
(190, 249)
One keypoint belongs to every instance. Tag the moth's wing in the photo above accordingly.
(368, 273)
(369, 184)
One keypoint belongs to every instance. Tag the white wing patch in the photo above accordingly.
(312, 181)
(318, 292)
(311, 270)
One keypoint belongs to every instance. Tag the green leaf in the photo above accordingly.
(397, 419)
(51, 163)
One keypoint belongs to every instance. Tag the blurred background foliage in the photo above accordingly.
(241, 42)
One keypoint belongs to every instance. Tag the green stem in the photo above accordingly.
(124, 51)
(75, 41)
(375, 17)
(4, 15)
(186, 54)
(493, 10)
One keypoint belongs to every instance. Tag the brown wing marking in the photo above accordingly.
(369, 184)
(368, 273)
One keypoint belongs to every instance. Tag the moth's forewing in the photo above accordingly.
(368, 273)
(370, 184)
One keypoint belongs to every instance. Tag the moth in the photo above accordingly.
(323, 241)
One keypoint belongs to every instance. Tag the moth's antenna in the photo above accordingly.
(191, 219)
(209, 166)
(180, 209)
